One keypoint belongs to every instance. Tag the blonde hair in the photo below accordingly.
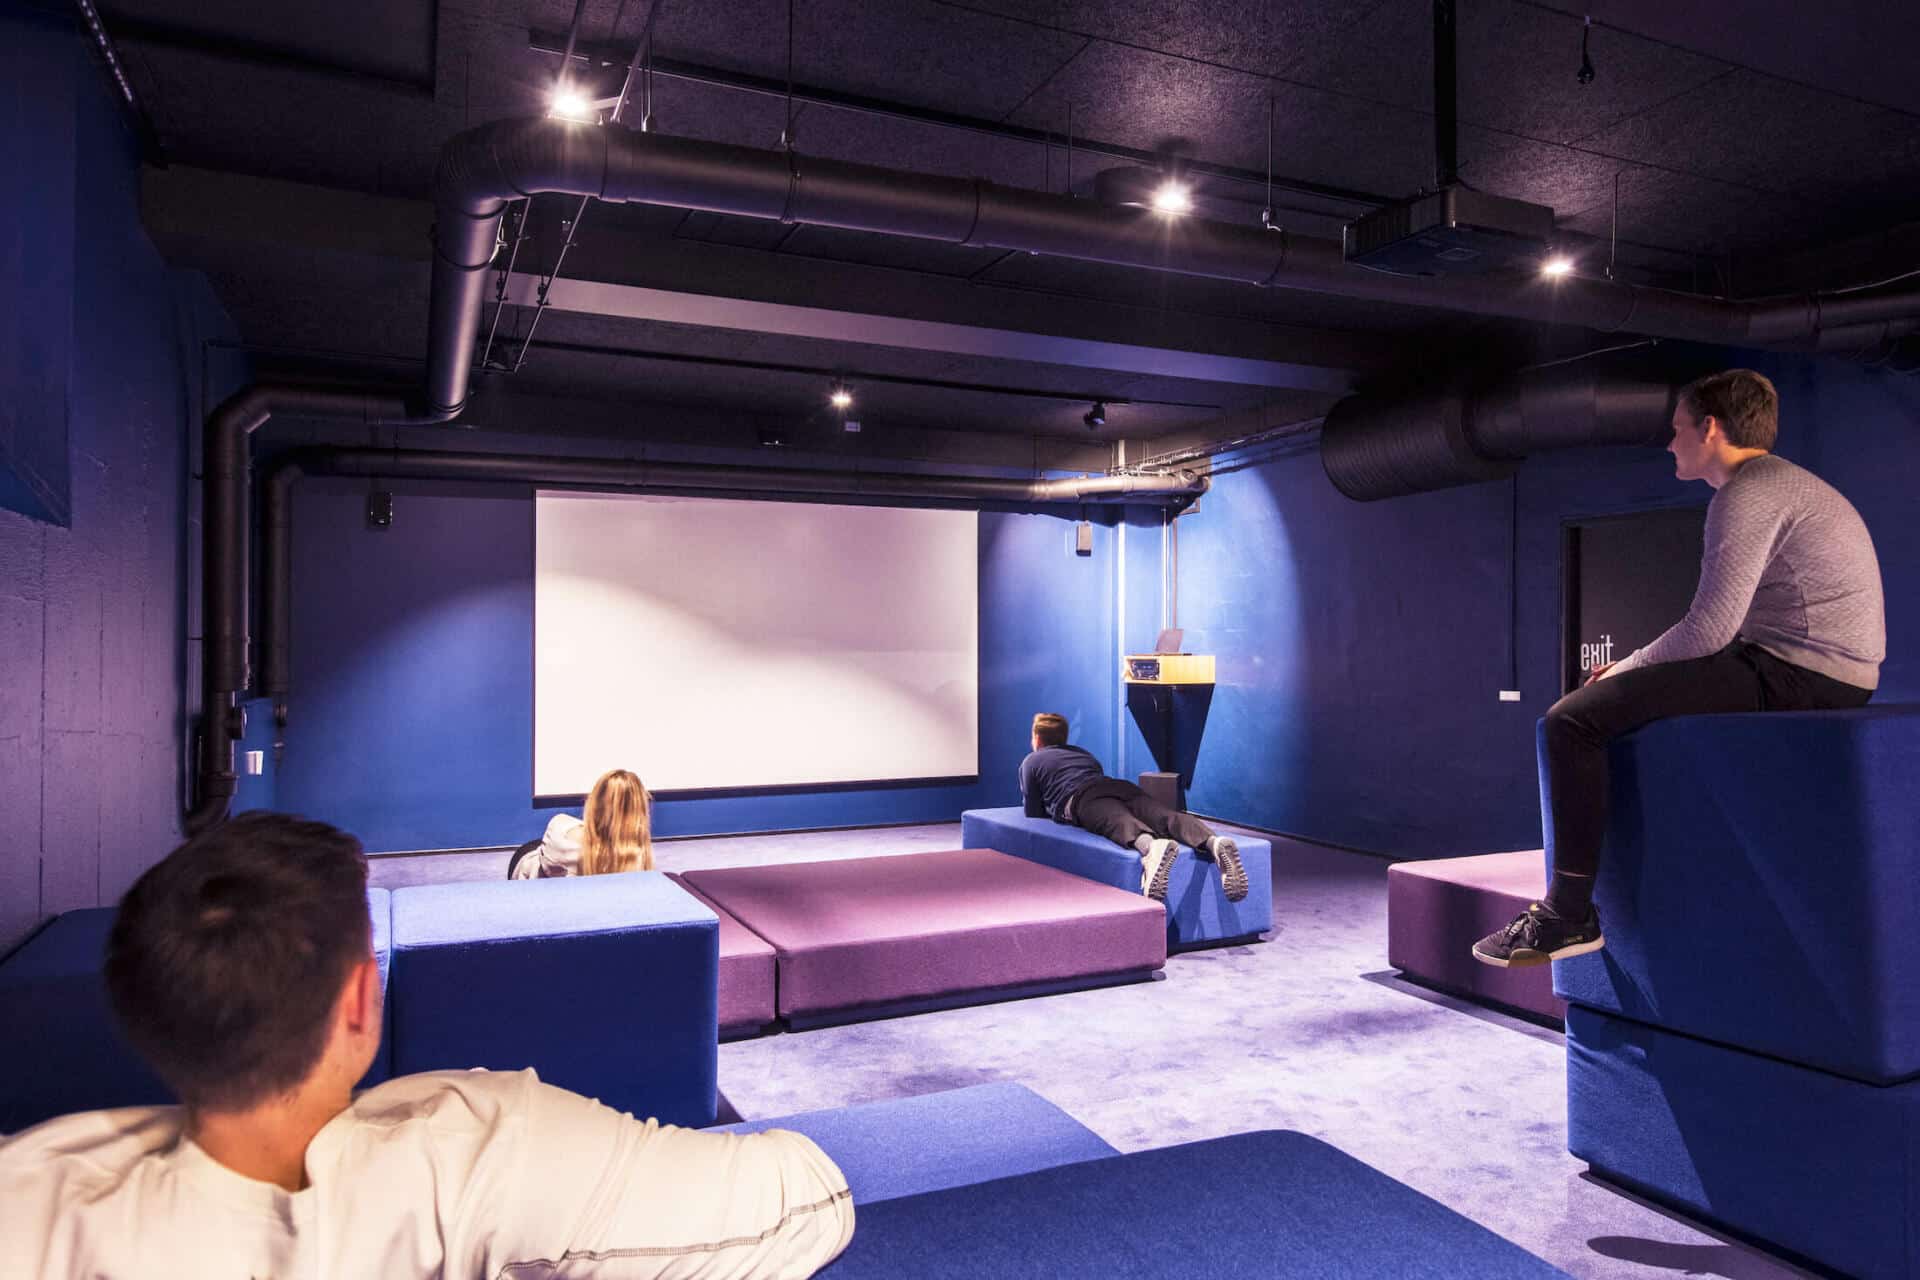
(618, 833)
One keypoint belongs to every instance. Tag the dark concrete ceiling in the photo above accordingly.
(302, 140)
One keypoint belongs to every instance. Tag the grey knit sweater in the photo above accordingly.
(1788, 566)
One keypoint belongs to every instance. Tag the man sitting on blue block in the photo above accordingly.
(241, 967)
(1066, 783)
(1788, 616)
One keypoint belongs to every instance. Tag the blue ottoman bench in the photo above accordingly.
(605, 985)
(1254, 1204)
(1747, 1045)
(1761, 887)
(68, 1054)
(1198, 913)
(906, 1146)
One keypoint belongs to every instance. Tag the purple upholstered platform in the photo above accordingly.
(864, 936)
(1437, 910)
(746, 971)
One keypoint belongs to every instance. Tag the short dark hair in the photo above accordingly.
(1051, 729)
(227, 957)
(1745, 403)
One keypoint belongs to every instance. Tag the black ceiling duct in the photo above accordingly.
(1389, 445)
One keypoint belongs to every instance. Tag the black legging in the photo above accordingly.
(1741, 677)
(1123, 813)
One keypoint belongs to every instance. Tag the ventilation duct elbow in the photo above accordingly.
(1377, 446)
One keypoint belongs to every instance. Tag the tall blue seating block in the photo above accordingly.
(1254, 1204)
(65, 1051)
(906, 1146)
(1198, 913)
(1812, 1162)
(1761, 885)
(605, 985)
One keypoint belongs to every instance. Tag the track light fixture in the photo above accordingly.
(571, 104)
(1557, 267)
(1096, 417)
(1173, 198)
(841, 397)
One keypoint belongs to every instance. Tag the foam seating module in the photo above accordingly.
(1197, 911)
(1438, 908)
(67, 1054)
(1818, 1165)
(868, 937)
(605, 985)
(1747, 1045)
(1760, 885)
(746, 972)
(1254, 1204)
(906, 1146)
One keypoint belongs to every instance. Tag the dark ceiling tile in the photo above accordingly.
(909, 51)
(1262, 37)
(1767, 133)
(393, 40)
(1700, 215)
(1516, 66)
(1151, 102)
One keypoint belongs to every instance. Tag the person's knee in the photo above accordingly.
(1565, 726)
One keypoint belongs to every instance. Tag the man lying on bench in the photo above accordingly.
(242, 969)
(1066, 783)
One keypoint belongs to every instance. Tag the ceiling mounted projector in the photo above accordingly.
(1453, 231)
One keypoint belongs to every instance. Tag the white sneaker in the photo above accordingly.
(1155, 866)
(1233, 876)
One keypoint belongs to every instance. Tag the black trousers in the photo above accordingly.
(1741, 677)
(1123, 813)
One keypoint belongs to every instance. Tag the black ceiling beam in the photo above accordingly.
(611, 56)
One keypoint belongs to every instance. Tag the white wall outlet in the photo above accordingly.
(256, 762)
(1509, 695)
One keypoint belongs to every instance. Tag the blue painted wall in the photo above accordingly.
(1362, 645)
(411, 716)
(93, 659)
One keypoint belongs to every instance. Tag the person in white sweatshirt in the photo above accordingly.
(615, 834)
(241, 968)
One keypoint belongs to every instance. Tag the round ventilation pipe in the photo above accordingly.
(1389, 445)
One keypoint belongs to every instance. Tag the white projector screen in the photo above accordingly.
(708, 643)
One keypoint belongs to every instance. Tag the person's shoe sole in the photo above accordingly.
(1528, 959)
(1157, 873)
(1233, 876)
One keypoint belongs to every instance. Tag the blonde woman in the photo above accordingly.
(616, 834)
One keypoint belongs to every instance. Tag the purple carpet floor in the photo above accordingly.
(1310, 1031)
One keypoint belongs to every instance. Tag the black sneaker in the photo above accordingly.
(1536, 936)
(1233, 876)
(1155, 866)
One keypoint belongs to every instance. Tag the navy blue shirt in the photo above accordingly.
(1051, 776)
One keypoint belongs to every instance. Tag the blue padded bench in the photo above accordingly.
(1747, 1045)
(906, 1146)
(605, 985)
(1198, 913)
(1254, 1204)
(1761, 887)
(67, 1052)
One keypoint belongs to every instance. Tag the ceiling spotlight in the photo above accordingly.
(1557, 266)
(569, 104)
(1173, 198)
(1096, 417)
(841, 398)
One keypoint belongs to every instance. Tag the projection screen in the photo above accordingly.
(711, 643)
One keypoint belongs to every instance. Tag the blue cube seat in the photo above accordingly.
(68, 1054)
(1760, 887)
(1198, 913)
(606, 985)
(906, 1146)
(1254, 1204)
(1816, 1164)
